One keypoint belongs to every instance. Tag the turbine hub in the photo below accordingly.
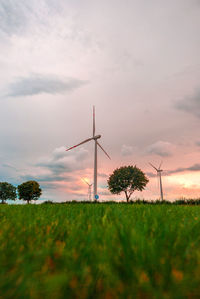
(97, 137)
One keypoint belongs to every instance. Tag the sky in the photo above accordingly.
(137, 61)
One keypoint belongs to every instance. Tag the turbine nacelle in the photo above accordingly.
(157, 169)
(97, 137)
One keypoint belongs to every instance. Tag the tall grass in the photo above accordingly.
(99, 251)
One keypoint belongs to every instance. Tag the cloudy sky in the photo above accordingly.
(137, 61)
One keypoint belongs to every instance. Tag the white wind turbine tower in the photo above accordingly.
(96, 144)
(159, 171)
(89, 189)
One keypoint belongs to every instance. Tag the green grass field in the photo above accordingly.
(99, 251)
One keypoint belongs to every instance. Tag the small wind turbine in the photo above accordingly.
(96, 143)
(159, 171)
(89, 189)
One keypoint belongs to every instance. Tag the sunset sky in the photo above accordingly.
(137, 61)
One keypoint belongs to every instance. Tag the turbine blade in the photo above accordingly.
(160, 165)
(87, 140)
(85, 182)
(93, 121)
(103, 150)
(153, 166)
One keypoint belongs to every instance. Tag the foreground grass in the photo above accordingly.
(99, 251)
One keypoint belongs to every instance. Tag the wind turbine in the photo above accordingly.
(96, 144)
(159, 171)
(89, 189)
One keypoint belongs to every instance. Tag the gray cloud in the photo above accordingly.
(18, 16)
(6, 165)
(102, 175)
(160, 148)
(63, 162)
(56, 170)
(198, 143)
(48, 178)
(12, 15)
(195, 167)
(126, 150)
(151, 174)
(38, 84)
(190, 104)
(56, 167)
(75, 187)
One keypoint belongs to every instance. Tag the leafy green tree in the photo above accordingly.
(29, 190)
(7, 191)
(127, 179)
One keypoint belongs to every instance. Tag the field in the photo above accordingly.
(99, 251)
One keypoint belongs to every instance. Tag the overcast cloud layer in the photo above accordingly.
(137, 61)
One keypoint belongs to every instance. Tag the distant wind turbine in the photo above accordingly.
(96, 143)
(89, 189)
(159, 171)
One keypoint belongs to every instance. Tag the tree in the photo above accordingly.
(7, 191)
(29, 190)
(127, 179)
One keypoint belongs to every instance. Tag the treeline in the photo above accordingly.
(138, 201)
(27, 191)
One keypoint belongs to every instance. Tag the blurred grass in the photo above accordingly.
(99, 251)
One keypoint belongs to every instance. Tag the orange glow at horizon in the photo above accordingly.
(187, 180)
(175, 186)
(84, 180)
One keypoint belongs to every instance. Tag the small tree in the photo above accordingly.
(127, 179)
(7, 191)
(29, 190)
